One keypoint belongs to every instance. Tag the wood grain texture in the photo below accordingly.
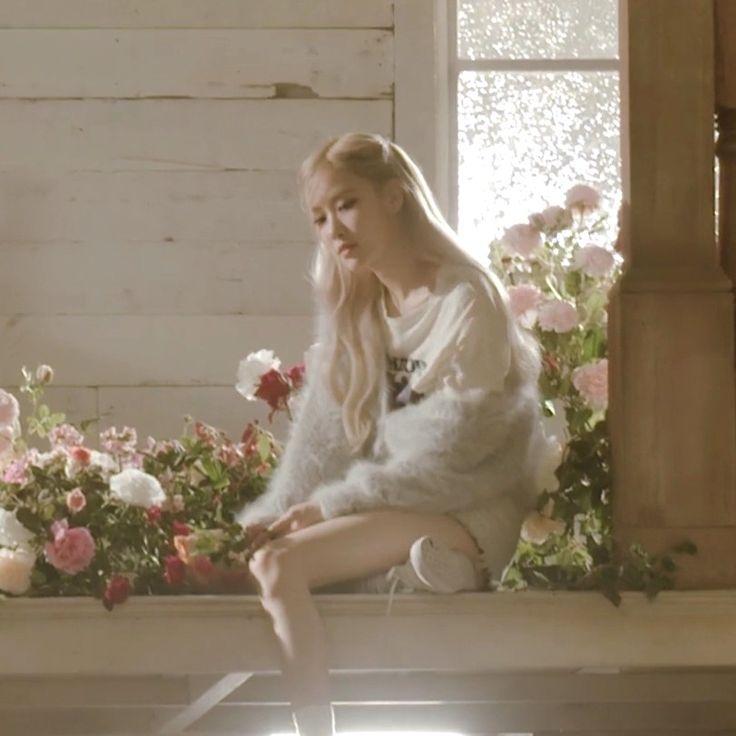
(195, 14)
(194, 135)
(196, 63)
(192, 350)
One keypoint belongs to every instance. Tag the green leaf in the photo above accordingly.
(548, 408)
(263, 445)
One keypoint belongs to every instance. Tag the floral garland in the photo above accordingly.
(160, 519)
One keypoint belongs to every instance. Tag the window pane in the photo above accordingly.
(525, 138)
(537, 29)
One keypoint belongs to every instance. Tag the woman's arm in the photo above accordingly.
(451, 451)
(316, 452)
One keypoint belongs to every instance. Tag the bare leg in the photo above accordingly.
(289, 568)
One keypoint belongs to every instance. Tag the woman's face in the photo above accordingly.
(351, 217)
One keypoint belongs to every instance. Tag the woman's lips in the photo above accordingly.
(345, 247)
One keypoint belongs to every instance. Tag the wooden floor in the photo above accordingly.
(522, 663)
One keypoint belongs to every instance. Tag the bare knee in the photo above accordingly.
(275, 569)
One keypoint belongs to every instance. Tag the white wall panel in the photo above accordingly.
(137, 351)
(191, 277)
(195, 63)
(195, 14)
(200, 135)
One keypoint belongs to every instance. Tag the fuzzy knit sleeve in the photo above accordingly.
(454, 450)
(316, 452)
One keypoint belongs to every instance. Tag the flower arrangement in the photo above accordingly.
(558, 270)
(123, 520)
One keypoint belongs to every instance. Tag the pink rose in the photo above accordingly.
(551, 219)
(9, 409)
(594, 260)
(72, 549)
(558, 316)
(524, 300)
(80, 455)
(17, 472)
(591, 380)
(582, 198)
(522, 239)
(76, 500)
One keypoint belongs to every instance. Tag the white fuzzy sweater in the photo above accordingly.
(461, 452)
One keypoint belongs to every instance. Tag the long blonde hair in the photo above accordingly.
(354, 348)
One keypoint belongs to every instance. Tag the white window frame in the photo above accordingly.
(427, 70)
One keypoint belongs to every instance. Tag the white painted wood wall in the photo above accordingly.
(150, 233)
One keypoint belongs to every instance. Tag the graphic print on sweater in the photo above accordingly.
(400, 371)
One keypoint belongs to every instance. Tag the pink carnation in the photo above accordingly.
(551, 219)
(522, 239)
(65, 435)
(582, 197)
(17, 471)
(524, 300)
(558, 316)
(72, 549)
(591, 380)
(9, 409)
(594, 260)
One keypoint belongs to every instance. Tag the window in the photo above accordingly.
(534, 107)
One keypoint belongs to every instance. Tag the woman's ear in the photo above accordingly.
(393, 195)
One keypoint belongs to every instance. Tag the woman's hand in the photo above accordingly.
(299, 516)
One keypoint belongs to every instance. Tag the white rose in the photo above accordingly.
(104, 461)
(12, 532)
(251, 369)
(551, 459)
(137, 488)
(16, 567)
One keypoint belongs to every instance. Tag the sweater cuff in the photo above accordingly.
(334, 499)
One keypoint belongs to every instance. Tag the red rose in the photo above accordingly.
(273, 389)
(154, 514)
(296, 376)
(175, 570)
(180, 528)
(117, 591)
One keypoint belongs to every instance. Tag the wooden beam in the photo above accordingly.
(208, 698)
(503, 632)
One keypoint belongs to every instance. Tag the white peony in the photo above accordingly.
(251, 369)
(12, 532)
(137, 488)
(106, 462)
(16, 567)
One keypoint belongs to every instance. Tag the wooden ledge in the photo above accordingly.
(504, 632)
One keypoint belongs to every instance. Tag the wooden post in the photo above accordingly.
(726, 122)
(671, 317)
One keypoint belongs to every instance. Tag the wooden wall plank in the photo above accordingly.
(196, 63)
(160, 411)
(156, 278)
(124, 350)
(195, 14)
(42, 205)
(198, 135)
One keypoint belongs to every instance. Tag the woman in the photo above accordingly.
(419, 423)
